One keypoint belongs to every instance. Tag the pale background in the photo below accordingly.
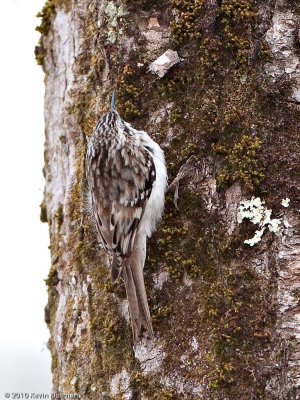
(24, 357)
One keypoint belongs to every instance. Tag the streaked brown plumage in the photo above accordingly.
(127, 180)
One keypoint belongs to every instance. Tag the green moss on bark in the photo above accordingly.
(46, 15)
(185, 25)
(242, 162)
(43, 212)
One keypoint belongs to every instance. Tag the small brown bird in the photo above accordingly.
(127, 179)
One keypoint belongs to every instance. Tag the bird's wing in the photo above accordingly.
(121, 187)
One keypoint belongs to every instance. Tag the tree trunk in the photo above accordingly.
(225, 314)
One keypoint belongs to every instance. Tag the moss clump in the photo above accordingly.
(51, 283)
(296, 294)
(238, 308)
(77, 193)
(128, 93)
(107, 327)
(236, 18)
(242, 163)
(59, 215)
(43, 212)
(210, 56)
(264, 51)
(40, 53)
(176, 116)
(144, 4)
(184, 26)
(172, 246)
(154, 390)
(174, 84)
(46, 15)
(165, 394)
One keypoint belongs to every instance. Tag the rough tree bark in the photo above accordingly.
(225, 314)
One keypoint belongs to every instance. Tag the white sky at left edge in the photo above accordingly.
(24, 254)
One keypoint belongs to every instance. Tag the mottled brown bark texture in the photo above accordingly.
(225, 314)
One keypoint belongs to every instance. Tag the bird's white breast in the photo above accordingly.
(155, 205)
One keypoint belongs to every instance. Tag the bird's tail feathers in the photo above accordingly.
(132, 274)
(116, 267)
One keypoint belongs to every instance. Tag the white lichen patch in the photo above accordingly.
(150, 355)
(119, 384)
(285, 202)
(114, 12)
(251, 209)
(255, 211)
(256, 238)
(160, 279)
(114, 15)
(111, 11)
